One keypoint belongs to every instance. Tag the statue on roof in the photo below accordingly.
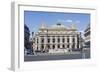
(43, 25)
(73, 26)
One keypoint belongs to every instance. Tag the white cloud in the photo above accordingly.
(60, 20)
(69, 20)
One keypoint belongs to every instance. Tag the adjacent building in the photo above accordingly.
(87, 37)
(57, 36)
(26, 36)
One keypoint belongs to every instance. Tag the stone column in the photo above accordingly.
(51, 42)
(60, 41)
(66, 42)
(39, 43)
(45, 42)
(70, 42)
(75, 42)
(56, 42)
(35, 48)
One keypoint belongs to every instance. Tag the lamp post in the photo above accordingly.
(33, 41)
(82, 50)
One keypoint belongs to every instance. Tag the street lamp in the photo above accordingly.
(81, 48)
(33, 43)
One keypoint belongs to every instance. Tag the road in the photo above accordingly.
(84, 55)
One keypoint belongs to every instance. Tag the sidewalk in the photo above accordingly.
(63, 53)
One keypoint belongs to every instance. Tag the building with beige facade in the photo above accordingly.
(57, 37)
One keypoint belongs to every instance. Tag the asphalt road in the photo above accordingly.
(84, 55)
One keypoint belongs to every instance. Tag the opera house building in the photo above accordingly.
(57, 38)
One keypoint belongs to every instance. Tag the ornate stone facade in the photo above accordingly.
(56, 37)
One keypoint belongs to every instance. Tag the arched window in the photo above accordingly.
(53, 46)
(48, 46)
(37, 47)
(63, 46)
(53, 40)
(58, 46)
(42, 40)
(73, 46)
(58, 40)
(48, 40)
(63, 40)
(42, 46)
(68, 46)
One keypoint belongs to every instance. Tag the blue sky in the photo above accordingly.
(34, 19)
